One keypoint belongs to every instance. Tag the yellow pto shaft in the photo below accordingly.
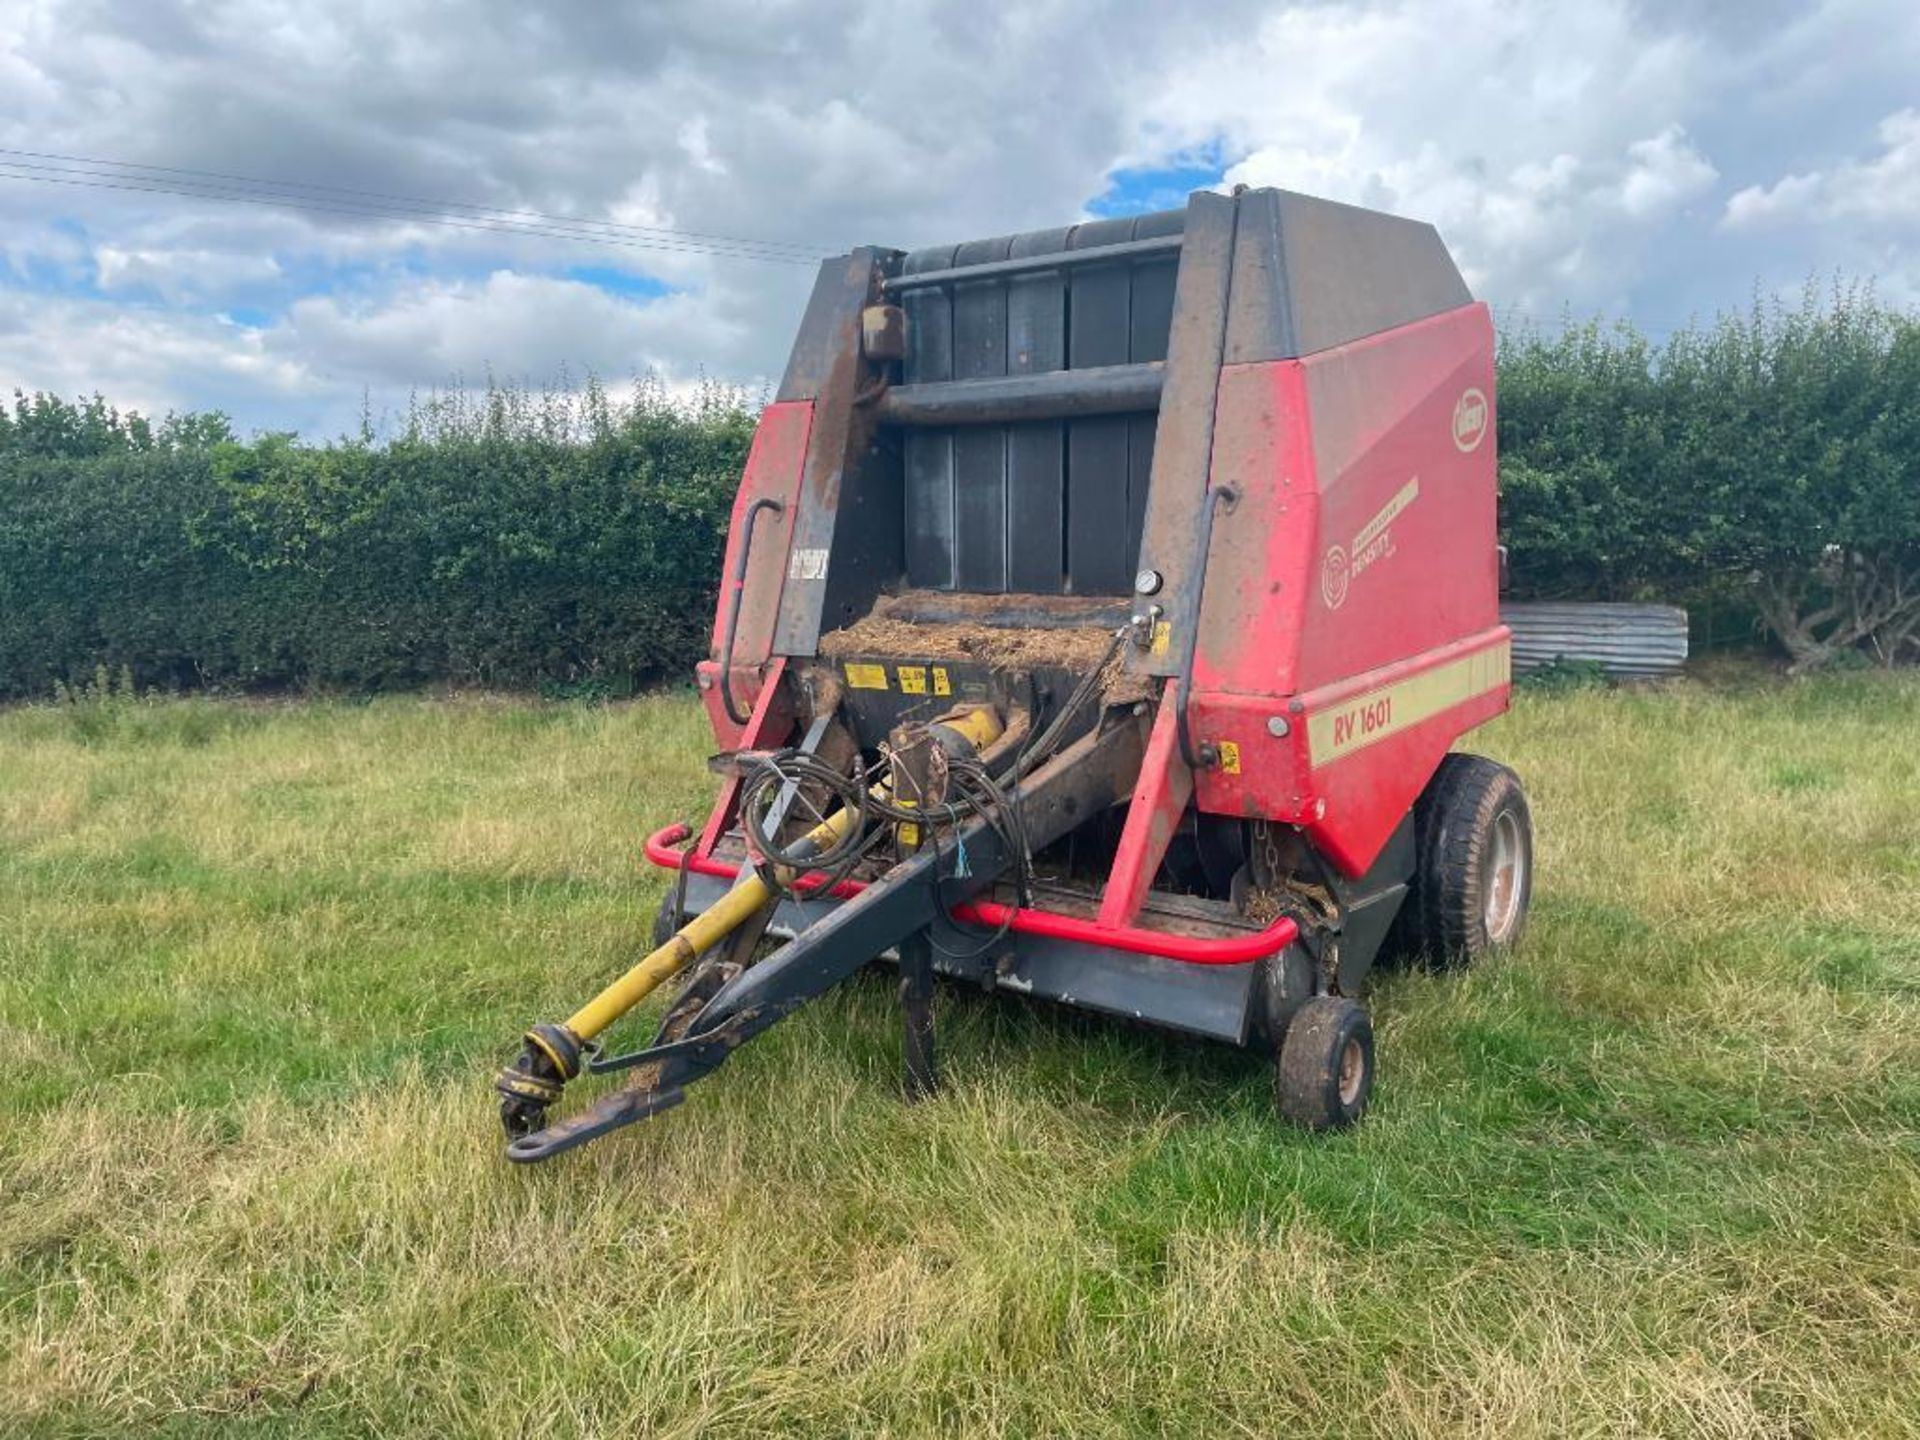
(704, 931)
(978, 725)
(554, 1054)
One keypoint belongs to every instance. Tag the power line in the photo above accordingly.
(490, 212)
(374, 213)
(400, 209)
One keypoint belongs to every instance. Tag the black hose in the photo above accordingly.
(973, 791)
(1049, 741)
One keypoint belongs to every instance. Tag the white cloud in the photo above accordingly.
(833, 124)
(317, 367)
(1662, 173)
(512, 324)
(1546, 142)
(1882, 191)
(1571, 155)
(182, 275)
(149, 360)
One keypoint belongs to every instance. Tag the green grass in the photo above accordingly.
(1657, 1172)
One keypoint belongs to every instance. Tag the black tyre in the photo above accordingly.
(665, 922)
(1473, 865)
(1324, 1075)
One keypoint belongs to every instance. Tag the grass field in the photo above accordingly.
(1657, 1172)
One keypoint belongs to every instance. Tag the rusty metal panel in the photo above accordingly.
(837, 476)
(1629, 642)
(1183, 450)
(1310, 274)
(771, 481)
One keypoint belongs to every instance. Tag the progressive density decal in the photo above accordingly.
(1372, 543)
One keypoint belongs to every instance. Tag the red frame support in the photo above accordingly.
(767, 726)
(1166, 785)
(1240, 950)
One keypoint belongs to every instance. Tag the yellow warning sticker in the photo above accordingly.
(1162, 636)
(866, 677)
(941, 685)
(913, 679)
(1229, 757)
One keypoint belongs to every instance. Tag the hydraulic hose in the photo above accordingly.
(551, 1054)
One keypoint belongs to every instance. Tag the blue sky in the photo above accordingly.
(1654, 161)
(1138, 190)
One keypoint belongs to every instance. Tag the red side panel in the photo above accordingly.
(774, 465)
(1253, 607)
(1403, 447)
(1347, 760)
(768, 728)
(1350, 627)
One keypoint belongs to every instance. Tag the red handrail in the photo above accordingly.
(1238, 950)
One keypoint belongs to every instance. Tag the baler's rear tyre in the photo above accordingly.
(1323, 1077)
(1473, 865)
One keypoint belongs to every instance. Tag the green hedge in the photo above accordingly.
(1768, 460)
(524, 540)
(1767, 463)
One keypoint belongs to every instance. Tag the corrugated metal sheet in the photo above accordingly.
(1631, 642)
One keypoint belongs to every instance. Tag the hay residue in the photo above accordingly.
(1262, 907)
(880, 632)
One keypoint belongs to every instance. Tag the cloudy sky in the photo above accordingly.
(1652, 158)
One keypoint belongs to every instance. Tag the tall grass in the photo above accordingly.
(1655, 1173)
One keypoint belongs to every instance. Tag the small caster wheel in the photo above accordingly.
(1323, 1077)
(665, 922)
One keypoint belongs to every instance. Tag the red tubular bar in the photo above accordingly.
(1237, 951)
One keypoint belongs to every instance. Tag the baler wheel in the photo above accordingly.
(1324, 1074)
(666, 920)
(1473, 869)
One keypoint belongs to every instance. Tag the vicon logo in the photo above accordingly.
(1470, 419)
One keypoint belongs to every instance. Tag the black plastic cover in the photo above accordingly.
(1057, 505)
(1042, 506)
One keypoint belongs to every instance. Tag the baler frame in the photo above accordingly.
(1267, 704)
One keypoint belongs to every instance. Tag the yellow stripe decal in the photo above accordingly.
(1386, 710)
(1369, 532)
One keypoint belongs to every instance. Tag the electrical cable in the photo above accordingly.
(1049, 740)
(1007, 820)
(972, 792)
(53, 175)
(110, 169)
